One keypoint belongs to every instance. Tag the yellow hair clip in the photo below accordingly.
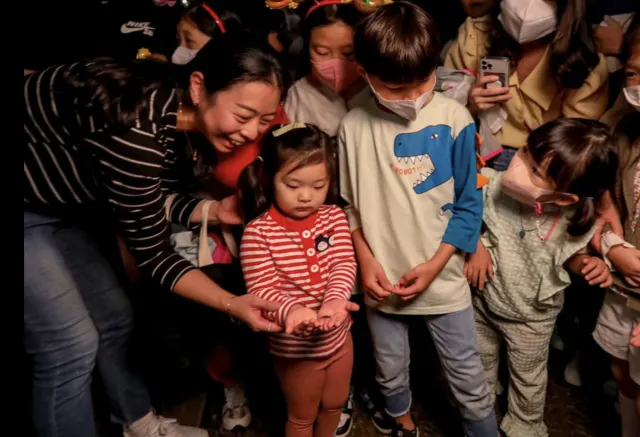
(287, 128)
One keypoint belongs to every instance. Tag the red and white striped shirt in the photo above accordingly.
(306, 262)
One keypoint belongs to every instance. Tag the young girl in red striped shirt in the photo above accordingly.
(297, 251)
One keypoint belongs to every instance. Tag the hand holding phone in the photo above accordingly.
(492, 84)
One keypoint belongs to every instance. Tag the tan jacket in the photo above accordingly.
(539, 98)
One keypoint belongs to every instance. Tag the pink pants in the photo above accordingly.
(316, 391)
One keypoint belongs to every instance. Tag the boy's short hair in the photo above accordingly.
(399, 43)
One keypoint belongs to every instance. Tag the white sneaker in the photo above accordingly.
(346, 418)
(572, 373)
(158, 426)
(235, 413)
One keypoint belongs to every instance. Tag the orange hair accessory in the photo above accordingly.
(323, 3)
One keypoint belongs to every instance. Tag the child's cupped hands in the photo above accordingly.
(596, 272)
(301, 321)
(333, 313)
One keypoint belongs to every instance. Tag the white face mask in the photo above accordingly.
(632, 94)
(183, 55)
(528, 20)
(407, 109)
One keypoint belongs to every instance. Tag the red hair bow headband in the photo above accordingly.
(215, 17)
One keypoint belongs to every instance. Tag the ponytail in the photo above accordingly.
(584, 217)
(254, 187)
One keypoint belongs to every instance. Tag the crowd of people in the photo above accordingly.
(338, 160)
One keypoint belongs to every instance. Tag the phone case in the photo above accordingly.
(495, 66)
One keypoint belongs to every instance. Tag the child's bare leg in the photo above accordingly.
(628, 396)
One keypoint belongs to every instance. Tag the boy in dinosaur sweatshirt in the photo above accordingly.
(408, 175)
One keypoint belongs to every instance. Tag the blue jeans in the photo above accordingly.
(76, 317)
(454, 336)
(502, 161)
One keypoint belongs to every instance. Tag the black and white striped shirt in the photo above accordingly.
(72, 159)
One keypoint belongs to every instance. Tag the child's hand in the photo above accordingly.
(478, 267)
(417, 280)
(635, 336)
(333, 313)
(376, 284)
(596, 272)
(626, 261)
(301, 321)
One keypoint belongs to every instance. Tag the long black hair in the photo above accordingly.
(573, 54)
(580, 157)
(120, 89)
(238, 58)
(306, 145)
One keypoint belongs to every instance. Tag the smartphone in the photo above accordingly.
(495, 66)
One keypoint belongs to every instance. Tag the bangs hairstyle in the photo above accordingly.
(234, 59)
(325, 16)
(580, 157)
(330, 14)
(573, 54)
(398, 43)
(304, 146)
(203, 20)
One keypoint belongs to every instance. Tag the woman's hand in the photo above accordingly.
(478, 267)
(486, 98)
(228, 211)
(249, 309)
(333, 313)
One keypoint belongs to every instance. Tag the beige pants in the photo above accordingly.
(527, 354)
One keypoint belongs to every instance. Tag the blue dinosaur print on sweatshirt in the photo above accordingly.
(433, 143)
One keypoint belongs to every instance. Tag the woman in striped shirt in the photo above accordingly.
(298, 253)
(100, 140)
